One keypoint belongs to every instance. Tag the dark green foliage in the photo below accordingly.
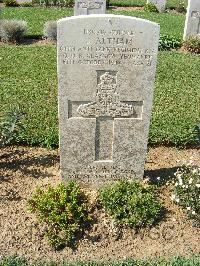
(192, 44)
(149, 7)
(131, 203)
(55, 3)
(63, 209)
(168, 43)
(12, 3)
(172, 4)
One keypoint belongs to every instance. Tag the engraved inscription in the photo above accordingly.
(109, 47)
(196, 14)
(100, 174)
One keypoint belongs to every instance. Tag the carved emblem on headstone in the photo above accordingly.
(107, 101)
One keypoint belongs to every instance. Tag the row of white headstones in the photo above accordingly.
(192, 23)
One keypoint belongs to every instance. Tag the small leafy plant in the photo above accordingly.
(187, 190)
(192, 44)
(10, 125)
(150, 7)
(131, 203)
(50, 30)
(12, 30)
(64, 209)
(168, 43)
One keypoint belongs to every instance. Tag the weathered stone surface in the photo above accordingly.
(192, 22)
(106, 70)
(160, 4)
(87, 7)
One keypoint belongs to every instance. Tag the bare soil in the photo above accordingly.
(22, 169)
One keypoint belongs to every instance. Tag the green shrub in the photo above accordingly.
(59, 3)
(50, 30)
(192, 44)
(131, 203)
(11, 3)
(26, 4)
(187, 190)
(181, 7)
(168, 43)
(63, 209)
(149, 7)
(12, 30)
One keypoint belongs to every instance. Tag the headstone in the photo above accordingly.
(87, 7)
(160, 4)
(192, 22)
(106, 71)
(24, 1)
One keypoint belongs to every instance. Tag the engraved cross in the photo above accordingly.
(106, 108)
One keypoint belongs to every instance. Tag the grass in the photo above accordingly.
(177, 261)
(29, 82)
(35, 17)
(171, 24)
(176, 106)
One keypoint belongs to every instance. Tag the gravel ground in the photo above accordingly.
(22, 169)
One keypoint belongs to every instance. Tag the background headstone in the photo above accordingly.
(24, 1)
(160, 4)
(192, 22)
(87, 7)
(106, 71)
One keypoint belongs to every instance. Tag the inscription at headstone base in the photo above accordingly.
(192, 22)
(106, 71)
(160, 4)
(87, 7)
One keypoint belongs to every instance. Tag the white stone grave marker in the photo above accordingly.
(88, 7)
(106, 71)
(192, 22)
